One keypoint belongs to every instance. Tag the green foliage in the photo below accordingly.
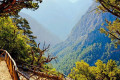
(13, 7)
(111, 6)
(12, 39)
(89, 54)
(82, 45)
(102, 71)
(16, 37)
(23, 24)
(16, 40)
(113, 29)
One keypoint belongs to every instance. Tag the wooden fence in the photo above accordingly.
(13, 69)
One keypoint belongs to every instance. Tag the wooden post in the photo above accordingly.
(11, 68)
(8, 62)
(6, 57)
(15, 76)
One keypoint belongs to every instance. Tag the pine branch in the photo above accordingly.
(113, 35)
(102, 3)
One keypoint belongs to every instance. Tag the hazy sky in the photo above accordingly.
(60, 16)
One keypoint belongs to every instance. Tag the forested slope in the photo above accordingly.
(85, 42)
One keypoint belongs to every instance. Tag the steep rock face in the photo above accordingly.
(85, 42)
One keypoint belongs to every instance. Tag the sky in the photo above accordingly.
(59, 16)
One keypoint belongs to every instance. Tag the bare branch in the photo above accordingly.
(102, 3)
(48, 59)
(118, 32)
(38, 45)
(113, 35)
(33, 57)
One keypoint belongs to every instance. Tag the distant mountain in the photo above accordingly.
(42, 33)
(85, 43)
(59, 16)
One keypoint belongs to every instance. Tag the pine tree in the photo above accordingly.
(23, 24)
(113, 29)
(12, 7)
(12, 39)
(111, 6)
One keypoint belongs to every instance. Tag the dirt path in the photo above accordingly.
(4, 73)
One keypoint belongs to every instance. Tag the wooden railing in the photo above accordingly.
(13, 69)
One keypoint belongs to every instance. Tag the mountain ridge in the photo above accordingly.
(85, 42)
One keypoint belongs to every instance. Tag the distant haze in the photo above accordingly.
(43, 35)
(59, 16)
